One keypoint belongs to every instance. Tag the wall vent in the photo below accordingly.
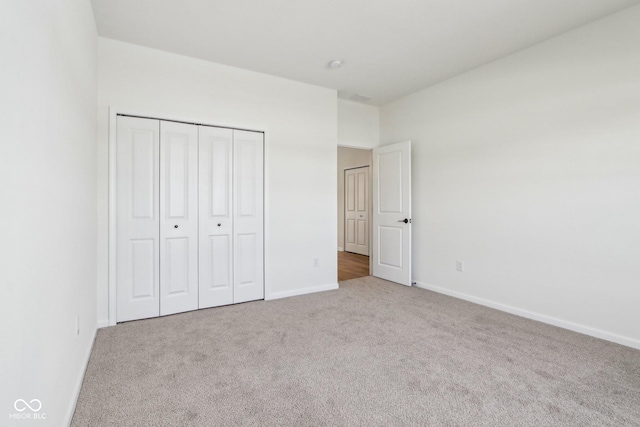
(357, 97)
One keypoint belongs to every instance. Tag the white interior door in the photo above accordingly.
(137, 219)
(248, 227)
(392, 212)
(356, 206)
(178, 217)
(216, 217)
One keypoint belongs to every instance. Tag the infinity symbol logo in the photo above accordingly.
(21, 405)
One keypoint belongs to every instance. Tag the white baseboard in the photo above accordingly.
(576, 327)
(103, 323)
(303, 291)
(78, 385)
(340, 249)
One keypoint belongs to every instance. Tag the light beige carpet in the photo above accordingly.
(372, 353)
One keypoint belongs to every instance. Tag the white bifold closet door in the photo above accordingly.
(248, 216)
(189, 203)
(231, 216)
(179, 217)
(216, 217)
(157, 218)
(138, 218)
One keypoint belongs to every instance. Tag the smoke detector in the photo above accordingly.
(336, 63)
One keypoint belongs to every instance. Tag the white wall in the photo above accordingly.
(47, 171)
(349, 158)
(300, 175)
(528, 170)
(358, 124)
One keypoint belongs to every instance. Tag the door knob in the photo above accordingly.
(406, 221)
(219, 224)
(175, 226)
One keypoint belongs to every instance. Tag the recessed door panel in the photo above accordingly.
(137, 219)
(390, 182)
(143, 263)
(177, 180)
(245, 177)
(176, 261)
(219, 173)
(362, 232)
(179, 217)
(220, 262)
(351, 193)
(362, 193)
(390, 252)
(144, 150)
(245, 260)
(248, 271)
(216, 221)
(351, 231)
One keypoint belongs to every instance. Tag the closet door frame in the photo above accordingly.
(114, 112)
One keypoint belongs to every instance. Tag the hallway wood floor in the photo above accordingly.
(352, 266)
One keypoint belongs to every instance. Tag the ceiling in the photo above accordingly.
(390, 48)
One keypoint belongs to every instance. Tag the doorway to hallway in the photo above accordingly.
(354, 206)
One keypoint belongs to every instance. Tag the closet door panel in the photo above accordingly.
(179, 217)
(246, 260)
(216, 220)
(137, 218)
(248, 216)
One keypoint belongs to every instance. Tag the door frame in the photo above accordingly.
(369, 207)
(370, 196)
(114, 112)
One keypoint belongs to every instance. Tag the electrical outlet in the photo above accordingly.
(459, 265)
(78, 326)
(315, 262)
